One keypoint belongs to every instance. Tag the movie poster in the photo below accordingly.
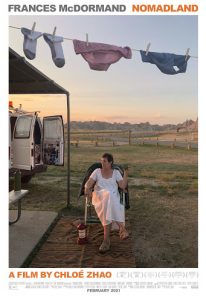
(106, 101)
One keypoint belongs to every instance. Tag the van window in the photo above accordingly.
(12, 123)
(23, 127)
(52, 129)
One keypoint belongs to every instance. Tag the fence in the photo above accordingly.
(173, 139)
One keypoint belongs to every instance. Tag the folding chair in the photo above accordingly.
(124, 195)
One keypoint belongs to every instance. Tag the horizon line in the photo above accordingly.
(123, 123)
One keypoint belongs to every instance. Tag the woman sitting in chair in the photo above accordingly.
(106, 198)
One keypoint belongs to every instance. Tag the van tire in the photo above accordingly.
(26, 178)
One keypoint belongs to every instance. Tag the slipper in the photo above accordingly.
(105, 246)
(123, 234)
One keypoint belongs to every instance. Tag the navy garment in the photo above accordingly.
(166, 61)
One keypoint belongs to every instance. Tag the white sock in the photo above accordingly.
(55, 45)
(30, 42)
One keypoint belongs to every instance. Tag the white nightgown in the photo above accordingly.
(106, 198)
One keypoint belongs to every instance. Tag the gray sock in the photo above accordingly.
(55, 45)
(30, 42)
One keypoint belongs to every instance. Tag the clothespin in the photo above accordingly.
(33, 27)
(54, 32)
(87, 39)
(187, 53)
(147, 49)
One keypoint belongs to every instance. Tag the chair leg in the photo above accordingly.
(124, 206)
(85, 214)
(88, 218)
(90, 210)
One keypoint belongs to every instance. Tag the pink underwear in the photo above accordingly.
(100, 56)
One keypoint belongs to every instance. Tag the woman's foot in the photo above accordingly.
(123, 233)
(105, 246)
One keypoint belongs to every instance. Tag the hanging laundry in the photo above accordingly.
(100, 56)
(30, 42)
(55, 44)
(167, 63)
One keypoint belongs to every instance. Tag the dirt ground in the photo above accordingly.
(61, 249)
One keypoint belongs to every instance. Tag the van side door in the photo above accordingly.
(53, 140)
(23, 142)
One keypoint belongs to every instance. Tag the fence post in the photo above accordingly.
(130, 137)
(157, 144)
(173, 144)
(143, 141)
(189, 146)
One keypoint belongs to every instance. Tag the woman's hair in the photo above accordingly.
(109, 157)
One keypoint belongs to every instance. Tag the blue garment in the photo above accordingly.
(166, 61)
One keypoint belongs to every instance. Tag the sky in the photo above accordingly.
(130, 90)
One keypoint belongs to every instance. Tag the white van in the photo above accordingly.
(34, 144)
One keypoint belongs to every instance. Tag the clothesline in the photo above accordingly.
(69, 39)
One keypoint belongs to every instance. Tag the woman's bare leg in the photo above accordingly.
(122, 231)
(121, 225)
(107, 229)
(105, 246)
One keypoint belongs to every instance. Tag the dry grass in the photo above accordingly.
(163, 188)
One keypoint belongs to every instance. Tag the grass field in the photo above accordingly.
(163, 188)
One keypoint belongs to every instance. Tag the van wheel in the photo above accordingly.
(26, 178)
